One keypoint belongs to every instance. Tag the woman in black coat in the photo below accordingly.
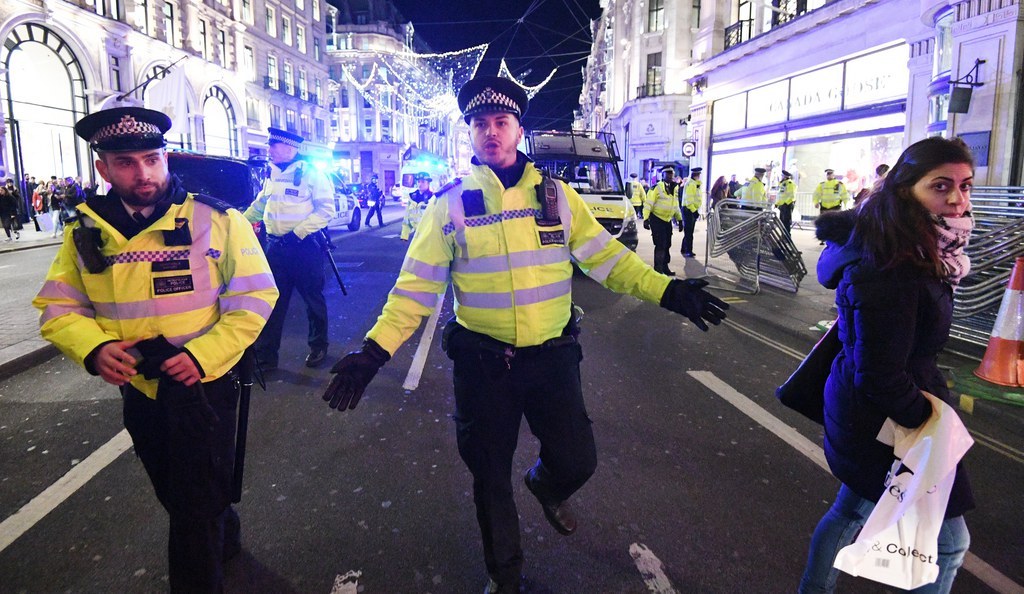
(893, 263)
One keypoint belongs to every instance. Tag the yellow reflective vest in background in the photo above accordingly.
(414, 210)
(663, 204)
(693, 195)
(637, 199)
(512, 275)
(752, 191)
(830, 194)
(787, 192)
(283, 205)
(212, 297)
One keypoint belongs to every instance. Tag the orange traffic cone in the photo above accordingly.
(1003, 362)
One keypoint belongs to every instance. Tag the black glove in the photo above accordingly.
(353, 373)
(679, 225)
(688, 298)
(647, 224)
(290, 239)
(189, 413)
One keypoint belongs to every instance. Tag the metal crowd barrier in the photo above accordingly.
(997, 240)
(753, 237)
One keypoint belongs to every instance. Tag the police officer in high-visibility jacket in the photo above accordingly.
(692, 197)
(296, 202)
(830, 194)
(506, 237)
(786, 200)
(661, 209)
(159, 292)
(418, 200)
(637, 195)
(752, 195)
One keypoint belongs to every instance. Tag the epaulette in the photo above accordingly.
(455, 182)
(210, 201)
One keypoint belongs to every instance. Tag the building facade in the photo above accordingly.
(807, 85)
(371, 56)
(64, 59)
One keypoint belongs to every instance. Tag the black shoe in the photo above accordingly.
(494, 587)
(316, 356)
(668, 273)
(267, 364)
(690, 255)
(559, 515)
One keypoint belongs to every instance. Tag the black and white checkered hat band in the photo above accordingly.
(491, 100)
(284, 140)
(128, 126)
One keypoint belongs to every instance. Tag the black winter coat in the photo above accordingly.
(893, 324)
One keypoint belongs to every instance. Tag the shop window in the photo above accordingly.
(656, 16)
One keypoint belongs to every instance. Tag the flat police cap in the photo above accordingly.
(284, 136)
(830, 171)
(759, 170)
(786, 173)
(488, 94)
(124, 129)
(696, 170)
(665, 168)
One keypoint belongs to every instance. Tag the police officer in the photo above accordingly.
(752, 194)
(296, 202)
(831, 193)
(692, 197)
(786, 200)
(159, 292)
(661, 209)
(375, 199)
(637, 194)
(418, 200)
(506, 236)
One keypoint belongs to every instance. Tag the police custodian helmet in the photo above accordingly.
(489, 94)
(124, 129)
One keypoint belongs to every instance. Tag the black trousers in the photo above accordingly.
(689, 224)
(375, 208)
(192, 479)
(296, 267)
(492, 395)
(786, 215)
(661, 233)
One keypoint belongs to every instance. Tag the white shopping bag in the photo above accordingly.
(898, 545)
(45, 223)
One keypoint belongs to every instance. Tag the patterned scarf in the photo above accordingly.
(954, 233)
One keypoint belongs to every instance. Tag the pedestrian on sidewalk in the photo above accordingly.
(893, 263)
(295, 204)
(9, 214)
(506, 237)
(56, 203)
(180, 280)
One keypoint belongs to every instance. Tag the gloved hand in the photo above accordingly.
(679, 225)
(188, 411)
(290, 239)
(647, 224)
(688, 298)
(353, 373)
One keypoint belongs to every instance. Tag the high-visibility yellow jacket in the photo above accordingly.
(693, 195)
(512, 277)
(752, 191)
(414, 212)
(787, 192)
(830, 194)
(637, 199)
(283, 205)
(212, 297)
(663, 204)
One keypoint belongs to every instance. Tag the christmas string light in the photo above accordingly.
(503, 71)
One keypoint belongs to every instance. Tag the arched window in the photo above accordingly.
(220, 124)
(42, 87)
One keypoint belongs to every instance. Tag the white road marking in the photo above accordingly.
(347, 583)
(651, 569)
(419, 360)
(35, 510)
(991, 576)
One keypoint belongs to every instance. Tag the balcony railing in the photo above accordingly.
(738, 32)
(649, 90)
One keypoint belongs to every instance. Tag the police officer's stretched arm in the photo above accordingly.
(424, 276)
(322, 195)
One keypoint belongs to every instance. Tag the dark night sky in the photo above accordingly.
(552, 33)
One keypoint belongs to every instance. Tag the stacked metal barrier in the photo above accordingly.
(998, 239)
(753, 237)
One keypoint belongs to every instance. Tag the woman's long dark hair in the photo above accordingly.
(720, 183)
(892, 227)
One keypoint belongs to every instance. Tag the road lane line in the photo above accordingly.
(762, 417)
(991, 576)
(35, 510)
(419, 360)
(651, 569)
(799, 356)
(347, 583)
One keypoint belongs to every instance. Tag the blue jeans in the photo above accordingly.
(839, 528)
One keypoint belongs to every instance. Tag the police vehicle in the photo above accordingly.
(589, 163)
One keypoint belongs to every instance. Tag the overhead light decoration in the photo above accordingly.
(503, 71)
